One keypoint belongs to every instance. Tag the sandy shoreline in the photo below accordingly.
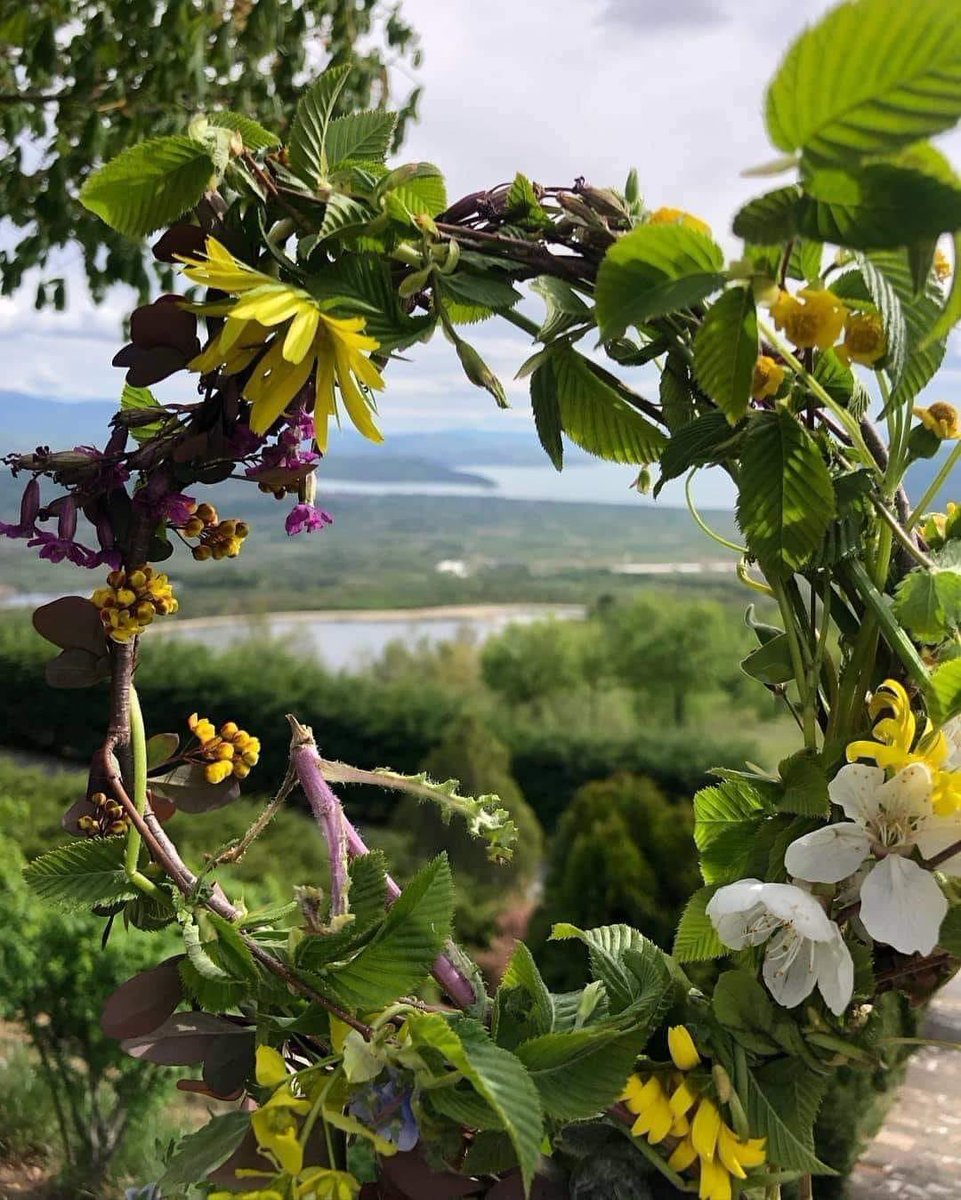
(361, 616)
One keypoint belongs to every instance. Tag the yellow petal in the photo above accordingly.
(271, 1070)
(683, 1098)
(727, 1149)
(705, 1128)
(715, 1182)
(680, 1127)
(684, 1154)
(281, 388)
(633, 1090)
(301, 333)
(682, 1048)
(272, 305)
(354, 402)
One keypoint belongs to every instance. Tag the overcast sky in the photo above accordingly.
(555, 88)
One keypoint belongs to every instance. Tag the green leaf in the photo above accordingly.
(872, 76)
(149, 184)
(743, 1007)
(944, 691)
(785, 496)
(422, 191)
(782, 1103)
(547, 414)
(359, 137)
(696, 939)
(523, 206)
(771, 218)
(922, 354)
(343, 215)
(706, 439)
(81, 873)
(725, 352)
(727, 817)
(805, 786)
(490, 291)
(771, 663)
(928, 602)
(522, 1006)
(595, 415)
(950, 936)
(315, 108)
(160, 748)
(199, 1153)
(362, 283)
(840, 382)
(674, 393)
(892, 313)
(951, 313)
(877, 207)
(635, 973)
(253, 135)
(565, 308)
(399, 956)
(652, 271)
(141, 399)
(581, 1073)
(495, 1074)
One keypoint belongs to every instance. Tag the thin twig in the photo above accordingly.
(234, 853)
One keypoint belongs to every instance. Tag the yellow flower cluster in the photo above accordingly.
(131, 600)
(768, 377)
(218, 539)
(109, 820)
(677, 216)
(673, 1106)
(276, 1130)
(291, 337)
(897, 745)
(815, 318)
(941, 418)
(232, 751)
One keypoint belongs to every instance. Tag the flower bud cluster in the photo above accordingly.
(231, 752)
(108, 820)
(217, 539)
(131, 600)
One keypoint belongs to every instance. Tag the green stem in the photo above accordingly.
(522, 322)
(904, 538)
(936, 484)
(138, 747)
(808, 709)
(702, 524)
(895, 636)
(850, 424)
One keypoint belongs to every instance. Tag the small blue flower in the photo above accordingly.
(386, 1108)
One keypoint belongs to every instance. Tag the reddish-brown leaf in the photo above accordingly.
(143, 1003)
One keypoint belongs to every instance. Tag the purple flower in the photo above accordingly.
(387, 1109)
(26, 527)
(305, 518)
(55, 547)
(178, 508)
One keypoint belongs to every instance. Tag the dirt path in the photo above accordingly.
(917, 1154)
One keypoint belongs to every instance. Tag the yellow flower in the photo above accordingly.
(131, 600)
(682, 1048)
(231, 752)
(271, 1070)
(259, 1194)
(321, 1183)
(715, 1182)
(864, 339)
(768, 377)
(298, 339)
(735, 1155)
(649, 1102)
(817, 322)
(677, 216)
(941, 419)
(942, 265)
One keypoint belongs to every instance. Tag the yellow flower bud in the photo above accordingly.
(240, 769)
(217, 772)
(207, 513)
(229, 729)
(677, 216)
(194, 527)
(126, 597)
(137, 580)
(941, 418)
(768, 377)
(224, 752)
(682, 1048)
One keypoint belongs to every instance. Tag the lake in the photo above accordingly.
(348, 640)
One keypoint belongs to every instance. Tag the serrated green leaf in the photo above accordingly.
(489, 291)
(397, 959)
(496, 1075)
(771, 218)
(727, 817)
(547, 414)
(782, 1105)
(149, 184)
(805, 786)
(726, 350)
(343, 215)
(696, 939)
(923, 355)
(565, 307)
(359, 137)
(706, 439)
(595, 415)
(422, 192)
(141, 399)
(744, 1008)
(654, 270)
(840, 382)
(785, 494)
(674, 393)
(870, 77)
(315, 108)
(888, 303)
(628, 983)
(206, 1149)
(944, 691)
(581, 1073)
(361, 283)
(928, 602)
(522, 1004)
(876, 207)
(81, 874)
(253, 134)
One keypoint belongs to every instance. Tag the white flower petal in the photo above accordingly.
(902, 905)
(905, 797)
(834, 968)
(737, 915)
(853, 788)
(796, 907)
(789, 968)
(830, 854)
(937, 834)
(734, 897)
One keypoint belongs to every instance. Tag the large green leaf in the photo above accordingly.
(782, 1103)
(876, 207)
(725, 352)
(398, 958)
(204, 1150)
(944, 691)
(727, 817)
(594, 414)
(635, 973)
(785, 494)
(496, 1075)
(81, 873)
(359, 137)
(580, 1073)
(770, 218)
(254, 136)
(705, 439)
(922, 355)
(696, 939)
(522, 1006)
(309, 129)
(421, 190)
(368, 900)
(343, 215)
(654, 270)
(564, 307)
(547, 414)
(149, 185)
(928, 600)
(872, 76)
